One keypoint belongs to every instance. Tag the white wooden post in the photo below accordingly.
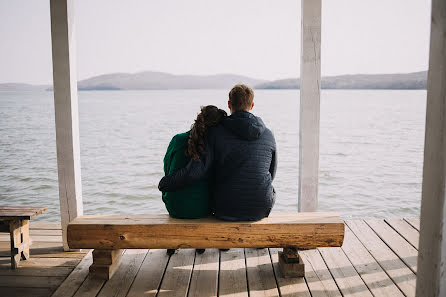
(431, 273)
(310, 78)
(66, 112)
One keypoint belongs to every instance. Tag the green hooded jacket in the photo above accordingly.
(193, 201)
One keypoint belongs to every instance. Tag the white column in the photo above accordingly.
(310, 78)
(431, 274)
(66, 112)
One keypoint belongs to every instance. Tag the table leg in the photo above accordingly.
(20, 242)
(26, 242)
(14, 232)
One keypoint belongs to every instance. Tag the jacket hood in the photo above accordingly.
(245, 125)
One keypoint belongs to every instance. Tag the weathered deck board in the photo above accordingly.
(400, 274)
(26, 292)
(204, 280)
(398, 244)
(406, 230)
(370, 271)
(414, 222)
(150, 274)
(344, 274)
(45, 225)
(318, 277)
(31, 281)
(178, 273)
(75, 279)
(290, 287)
(368, 264)
(261, 280)
(119, 285)
(90, 287)
(233, 273)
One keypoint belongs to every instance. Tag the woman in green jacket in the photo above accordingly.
(194, 201)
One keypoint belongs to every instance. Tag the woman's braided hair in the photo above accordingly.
(210, 116)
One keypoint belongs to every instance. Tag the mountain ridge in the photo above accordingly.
(154, 80)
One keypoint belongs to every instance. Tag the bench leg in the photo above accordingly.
(20, 242)
(105, 263)
(291, 263)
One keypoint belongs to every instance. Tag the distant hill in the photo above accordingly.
(163, 81)
(150, 80)
(415, 80)
(22, 87)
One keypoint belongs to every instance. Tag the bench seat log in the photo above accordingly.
(299, 230)
(108, 234)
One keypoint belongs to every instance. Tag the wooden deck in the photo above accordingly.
(378, 258)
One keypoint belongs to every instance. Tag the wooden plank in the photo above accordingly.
(122, 279)
(90, 287)
(405, 230)
(345, 275)
(432, 250)
(150, 274)
(204, 280)
(27, 213)
(233, 281)
(66, 111)
(36, 225)
(414, 222)
(261, 281)
(44, 232)
(71, 284)
(401, 275)
(398, 244)
(35, 246)
(56, 252)
(178, 273)
(36, 271)
(309, 119)
(370, 271)
(290, 287)
(36, 238)
(42, 262)
(31, 281)
(26, 292)
(318, 277)
(19, 207)
(161, 231)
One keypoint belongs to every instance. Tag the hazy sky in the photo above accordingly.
(250, 37)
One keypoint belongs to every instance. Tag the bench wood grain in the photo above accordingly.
(108, 234)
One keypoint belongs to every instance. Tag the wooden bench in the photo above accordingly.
(108, 234)
(15, 220)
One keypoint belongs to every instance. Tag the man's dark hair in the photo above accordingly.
(241, 97)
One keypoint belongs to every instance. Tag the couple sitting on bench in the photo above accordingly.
(223, 166)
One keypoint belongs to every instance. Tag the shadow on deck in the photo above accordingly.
(378, 258)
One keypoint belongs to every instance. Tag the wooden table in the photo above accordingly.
(15, 220)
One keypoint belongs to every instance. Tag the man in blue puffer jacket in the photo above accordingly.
(242, 153)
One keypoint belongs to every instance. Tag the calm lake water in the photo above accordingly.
(371, 148)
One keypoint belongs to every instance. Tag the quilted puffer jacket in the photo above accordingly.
(241, 152)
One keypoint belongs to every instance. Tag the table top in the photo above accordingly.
(20, 212)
